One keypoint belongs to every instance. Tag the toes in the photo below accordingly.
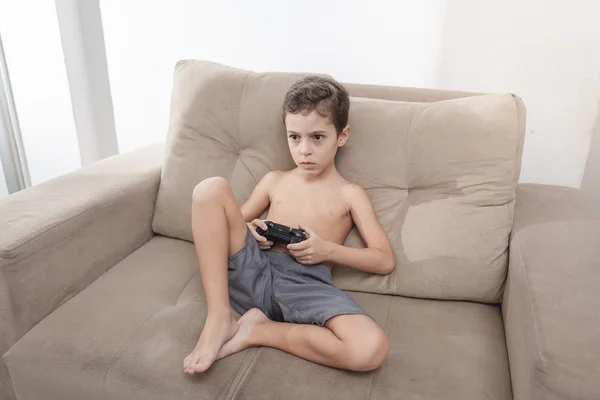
(201, 365)
(191, 360)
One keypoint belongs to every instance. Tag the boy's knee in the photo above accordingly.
(369, 352)
(210, 188)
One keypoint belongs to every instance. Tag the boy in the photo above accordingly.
(284, 292)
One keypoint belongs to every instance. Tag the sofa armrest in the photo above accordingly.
(551, 305)
(58, 237)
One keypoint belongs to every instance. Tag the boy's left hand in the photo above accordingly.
(313, 250)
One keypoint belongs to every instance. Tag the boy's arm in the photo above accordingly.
(260, 198)
(377, 257)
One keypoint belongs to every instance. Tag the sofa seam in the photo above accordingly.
(536, 333)
(124, 345)
(247, 169)
(513, 192)
(387, 323)
(408, 136)
(184, 287)
(11, 384)
(250, 365)
(239, 112)
(517, 143)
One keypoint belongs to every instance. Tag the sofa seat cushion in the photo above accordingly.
(438, 350)
(125, 337)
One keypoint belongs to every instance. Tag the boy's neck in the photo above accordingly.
(327, 173)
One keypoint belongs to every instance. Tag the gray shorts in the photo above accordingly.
(284, 289)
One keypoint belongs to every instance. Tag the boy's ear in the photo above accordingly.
(343, 137)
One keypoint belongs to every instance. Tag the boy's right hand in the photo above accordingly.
(263, 242)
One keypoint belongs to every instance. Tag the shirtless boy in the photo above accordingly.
(284, 292)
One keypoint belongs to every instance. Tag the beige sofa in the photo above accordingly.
(495, 296)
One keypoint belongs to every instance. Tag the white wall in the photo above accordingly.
(395, 43)
(35, 62)
(546, 51)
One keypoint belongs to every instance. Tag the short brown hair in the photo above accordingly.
(326, 95)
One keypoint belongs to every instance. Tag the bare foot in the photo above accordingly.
(241, 340)
(217, 330)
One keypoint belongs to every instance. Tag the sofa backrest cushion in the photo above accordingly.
(441, 175)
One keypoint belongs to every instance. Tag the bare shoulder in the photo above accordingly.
(271, 179)
(353, 195)
(353, 192)
(274, 175)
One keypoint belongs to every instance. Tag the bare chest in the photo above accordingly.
(321, 208)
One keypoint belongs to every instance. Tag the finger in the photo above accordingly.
(308, 231)
(305, 228)
(262, 224)
(258, 236)
(298, 246)
(300, 253)
(258, 223)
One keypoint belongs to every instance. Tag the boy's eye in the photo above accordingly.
(318, 137)
(293, 137)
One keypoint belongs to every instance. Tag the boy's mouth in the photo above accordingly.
(307, 164)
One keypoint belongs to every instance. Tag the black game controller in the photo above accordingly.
(282, 233)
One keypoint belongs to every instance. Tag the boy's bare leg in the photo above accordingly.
(219, 230)
(353, 342)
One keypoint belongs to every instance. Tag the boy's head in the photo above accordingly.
(315, 113)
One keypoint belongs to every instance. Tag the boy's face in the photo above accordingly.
(313, 141)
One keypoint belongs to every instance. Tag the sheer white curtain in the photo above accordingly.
(14, 174)
(41, 98)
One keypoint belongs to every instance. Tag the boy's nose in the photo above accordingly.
(305, 151)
